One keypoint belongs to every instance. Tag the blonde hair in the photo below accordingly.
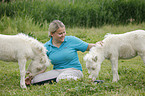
(53, 26)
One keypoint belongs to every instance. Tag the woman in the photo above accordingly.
(62, 51)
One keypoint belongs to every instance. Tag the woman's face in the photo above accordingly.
(59, 35)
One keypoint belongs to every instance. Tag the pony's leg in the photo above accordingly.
(114, 62)
(143, 57)
(22, 63)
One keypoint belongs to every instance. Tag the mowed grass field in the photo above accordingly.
(131, 71)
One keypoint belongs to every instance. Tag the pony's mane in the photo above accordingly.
(109, 35)
(34, 42)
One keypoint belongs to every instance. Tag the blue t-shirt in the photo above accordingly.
(66, 55)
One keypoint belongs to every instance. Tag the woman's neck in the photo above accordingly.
(56, 44)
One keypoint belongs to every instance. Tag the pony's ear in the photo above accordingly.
(42, 59)
(39, 67)
(94, 59)
(89, 57)
(46, 60)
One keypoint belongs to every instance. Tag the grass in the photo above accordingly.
(131, 72)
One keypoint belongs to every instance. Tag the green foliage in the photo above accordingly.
(25, 25)
(86, 13)
(32, 17)
(17, 25)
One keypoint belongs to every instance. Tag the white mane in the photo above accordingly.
(33, 42)
(109, 35)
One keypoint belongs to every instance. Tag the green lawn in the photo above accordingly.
(131, 72)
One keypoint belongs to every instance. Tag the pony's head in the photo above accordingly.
(38, 65)
(93, 61)
(38, 55)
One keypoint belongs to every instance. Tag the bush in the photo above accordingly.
(86, 13)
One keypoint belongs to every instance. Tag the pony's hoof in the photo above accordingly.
(99, 81)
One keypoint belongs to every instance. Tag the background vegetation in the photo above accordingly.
(89, 20)
(87, 13)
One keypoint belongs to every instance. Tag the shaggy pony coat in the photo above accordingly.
(115, 46)
(20, 48)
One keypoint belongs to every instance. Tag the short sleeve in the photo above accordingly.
(79, 44)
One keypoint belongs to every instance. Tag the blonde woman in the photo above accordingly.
(62, 51)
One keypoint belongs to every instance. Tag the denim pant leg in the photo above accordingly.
(44, 77)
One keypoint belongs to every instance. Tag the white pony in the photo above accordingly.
(115, 46)
(20, 48)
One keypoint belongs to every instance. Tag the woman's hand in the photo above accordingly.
(100, 43)
(92, 45)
